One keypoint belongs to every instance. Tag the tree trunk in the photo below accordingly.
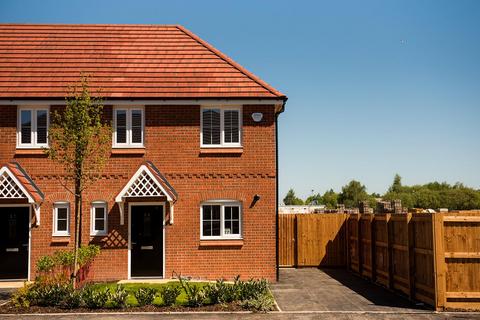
(78, 219)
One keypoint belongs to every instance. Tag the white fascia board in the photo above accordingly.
(11, 175)
(146, 102)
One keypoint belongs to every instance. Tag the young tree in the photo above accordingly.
(396, 185)
(352, 194)
(291, 199)
(330, 199)
(79, 141)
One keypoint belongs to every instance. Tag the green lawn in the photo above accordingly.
(132, 287)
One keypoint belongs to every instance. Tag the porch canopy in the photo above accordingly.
(147, 182)
(16, 184)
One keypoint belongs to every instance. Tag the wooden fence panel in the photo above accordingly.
(353, 242)
(381, 249)
(286, 240)
(366, 248)
(400, 253)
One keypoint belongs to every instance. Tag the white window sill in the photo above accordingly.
(59, 235)
(102, 234)
(238, 242)
(230, 150)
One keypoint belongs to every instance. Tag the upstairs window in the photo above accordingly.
(221, 220)
(32, 127)
(128, 126)
(221, 127)
(61, 219)
(98, 220)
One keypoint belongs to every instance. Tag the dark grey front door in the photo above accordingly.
(147, 241)
(14, 225)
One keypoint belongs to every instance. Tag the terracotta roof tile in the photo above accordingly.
(138, 61)
(26, 181)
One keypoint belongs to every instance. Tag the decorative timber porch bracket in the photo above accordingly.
(16, 184)
(147, 182)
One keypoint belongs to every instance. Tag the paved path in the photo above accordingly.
(334, 290)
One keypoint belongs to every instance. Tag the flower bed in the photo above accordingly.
(181, 295)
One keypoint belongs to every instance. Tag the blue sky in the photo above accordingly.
(375, 87)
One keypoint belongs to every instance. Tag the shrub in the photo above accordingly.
(169, 295)
(22, 297)
(262, 303)
(195, 295)
(45, 264)
(95, 298)
(119, 297)
(49, 295)
(220, 292)
(145, 296)
(251, 289)
(71, 300)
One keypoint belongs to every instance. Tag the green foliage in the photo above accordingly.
(314, 199)
(71, 300)
(22, 298)
(95, 298)
(291, 199)
(436, 195)
(49, 294)
(195, 294)
(352, 194)
(145, 296)
(169, 295)
(220, 292)
(45, 264)
(261, 303)
(396, 185)
(118, 297)
(251, 289)
(330, 199)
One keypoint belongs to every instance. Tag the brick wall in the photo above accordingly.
(172, 141)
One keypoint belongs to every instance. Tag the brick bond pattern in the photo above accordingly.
(172, 141)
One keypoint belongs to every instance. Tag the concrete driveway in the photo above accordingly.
(335, 290)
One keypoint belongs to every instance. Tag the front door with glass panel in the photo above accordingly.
(14, 226)
(147, 241)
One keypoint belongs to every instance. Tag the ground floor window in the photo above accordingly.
(220, 220)
(98, 219)
(61, 219)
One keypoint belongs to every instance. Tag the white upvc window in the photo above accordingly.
(98, 218)
(220, 219)
(128, 127)
(61, 219)
(221, 126)
(32, 127)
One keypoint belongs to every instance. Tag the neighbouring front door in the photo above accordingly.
(14, 225)
(147, 241)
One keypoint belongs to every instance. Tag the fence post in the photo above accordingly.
(389, 249)
(347, 239)
(411, 255)
(439, 261)
(373, 251)
(359, 243)
(295, 241)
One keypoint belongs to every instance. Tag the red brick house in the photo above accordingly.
(191, 183)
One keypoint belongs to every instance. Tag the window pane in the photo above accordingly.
(99, 225)
(121, 122)
(207, 212)
(136, 126)
(62, 213)
(215, 227)
(99, 213)
(227, 227)
(62, 225)
(235, 213)
(41, 126)
(26, 126)
(211, 126)
(235, 227)
(231, 123)
(228, 213)
(207, 228)
(215, 212)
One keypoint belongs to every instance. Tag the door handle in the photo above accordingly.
(134, 243)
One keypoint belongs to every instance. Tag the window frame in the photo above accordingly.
(94, 205)
(55, 231)
(33, 131)
(128, 143)
(222, 109)
(223, 204)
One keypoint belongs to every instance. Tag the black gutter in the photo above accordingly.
(277, 261)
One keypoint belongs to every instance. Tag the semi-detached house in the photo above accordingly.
(190, 183)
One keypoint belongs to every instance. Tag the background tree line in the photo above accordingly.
(430, 195)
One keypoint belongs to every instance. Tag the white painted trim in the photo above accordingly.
(222, 204)
(130, 204)
(120, 196)
(20, 185)
(29, 235)
(128, 144)
(55, 232)
(33, 122)
(145, 102)
(222, 109)
(93, 206)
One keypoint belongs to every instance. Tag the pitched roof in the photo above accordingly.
(24, 179)
(133, 61)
